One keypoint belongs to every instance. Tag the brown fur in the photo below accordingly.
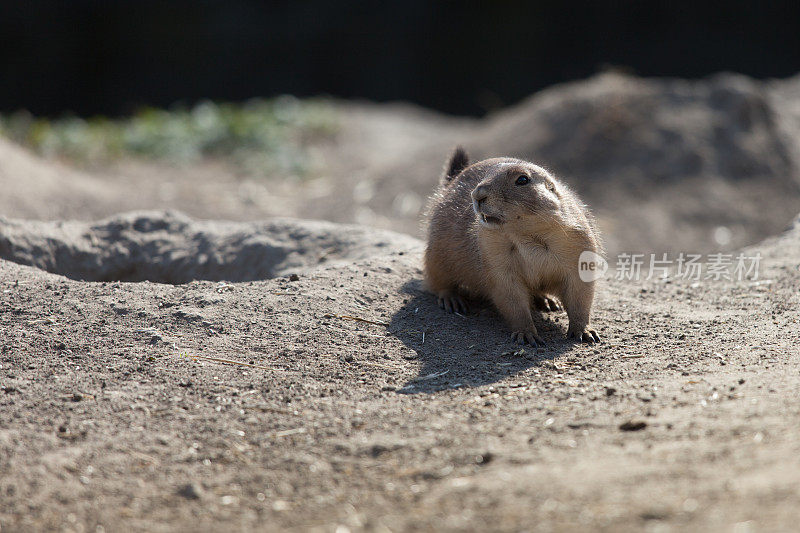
(518, 263)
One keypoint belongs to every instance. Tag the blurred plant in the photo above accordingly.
(261, 136)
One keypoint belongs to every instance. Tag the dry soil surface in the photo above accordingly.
(357, 404)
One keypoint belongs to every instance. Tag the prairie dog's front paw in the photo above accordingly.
(545, 304)
(527, 337)
(583, 335)
(453, 303)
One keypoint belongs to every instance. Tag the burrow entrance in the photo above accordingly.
(168, 247)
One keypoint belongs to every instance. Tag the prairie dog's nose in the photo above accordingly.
(479, 194)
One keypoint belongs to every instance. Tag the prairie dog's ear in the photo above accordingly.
(459, 160)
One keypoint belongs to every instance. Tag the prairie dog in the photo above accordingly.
(508, 231)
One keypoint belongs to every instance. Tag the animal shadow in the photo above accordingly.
(467, 350)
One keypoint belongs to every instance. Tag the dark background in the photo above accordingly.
(113, 56)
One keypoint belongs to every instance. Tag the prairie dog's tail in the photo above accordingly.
(458, 161)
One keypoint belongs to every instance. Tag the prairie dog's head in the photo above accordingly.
(515, 193)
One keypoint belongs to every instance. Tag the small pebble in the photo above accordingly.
(484, 458)
(190, 491)
(633, 425)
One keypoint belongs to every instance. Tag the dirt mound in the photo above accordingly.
(168, 247)
(644, 131)
(666, 163)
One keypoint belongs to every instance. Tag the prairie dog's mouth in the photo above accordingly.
(489, 221)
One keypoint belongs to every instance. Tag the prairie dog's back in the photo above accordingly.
(452, 256)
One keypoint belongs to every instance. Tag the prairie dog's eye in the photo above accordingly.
(522, 180)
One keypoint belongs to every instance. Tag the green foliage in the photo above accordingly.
(262, 136)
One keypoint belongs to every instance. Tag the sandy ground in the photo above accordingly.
(114, 415)
(307, 381)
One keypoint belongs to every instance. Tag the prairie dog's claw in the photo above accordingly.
(545, 304)
(453, 304)
(528, 337)
(587, 335)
